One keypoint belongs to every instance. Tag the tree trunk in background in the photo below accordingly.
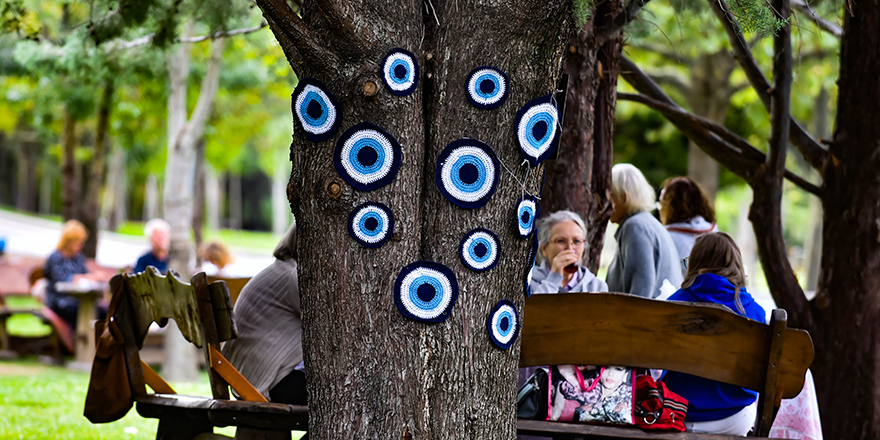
(69, 183)
(581, 177)
(46, 182)
(26, 198)
(235, 214)
(371, 372)
(198, 219)
(813, 246)
(847, 302)
(90, 210)
(113, 202)
(151, 198)
(213, 197)
(280, 205)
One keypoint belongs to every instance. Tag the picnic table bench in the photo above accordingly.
(704, 340)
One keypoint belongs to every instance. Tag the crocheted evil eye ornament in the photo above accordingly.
(487, 87)
(538, 129)
(480, 249)
(530, 263)
(527, 212)
(503, 324)
(317, 112)
(400, 71)
(467, 173)
(367, 157)
(425, 291)
(370, 224)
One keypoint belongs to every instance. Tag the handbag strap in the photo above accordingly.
(580, 378)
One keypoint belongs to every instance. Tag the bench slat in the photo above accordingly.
(541, 428)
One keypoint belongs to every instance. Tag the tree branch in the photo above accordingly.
(780, 96)
(628, 14)
(287, 26)
(219, 34)
(335, 14)
(814, 152)
(671, 80)
(821, 23)
(673, 56)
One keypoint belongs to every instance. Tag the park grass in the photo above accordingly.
(39, 401)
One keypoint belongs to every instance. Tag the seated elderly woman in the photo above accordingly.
(562, 239)
(646, 256)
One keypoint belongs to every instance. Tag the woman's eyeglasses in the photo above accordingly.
(562, 242)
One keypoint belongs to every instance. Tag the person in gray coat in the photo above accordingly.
(562, 240)
(646, 256)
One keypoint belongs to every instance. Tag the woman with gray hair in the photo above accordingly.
(562, 239)
(646, 256)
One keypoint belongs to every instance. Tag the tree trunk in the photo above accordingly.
(91, 208)
(151, 198)
(26, 199)
(113, 202)
(213, 198)
(372, 373)
(848, 306)
(198, 219)
(69, 182)
(46, 182)
(280, 205)
(235, 214)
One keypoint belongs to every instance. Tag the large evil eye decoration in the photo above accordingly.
(503, 324)
(487, 87)
(538, 129)
(467, 173)
(530, 264)
(527, 211)
(371, 224)
(317, 112)
(367, 157)
(401, 72)
(426, 291)
(480, 249)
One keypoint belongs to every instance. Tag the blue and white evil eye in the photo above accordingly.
(538, 129)
(317, 112)
(530, 264)
(370, 224)
(527, 211)
(480, 249)
(367, 157)
(503, 324)
(425, 291)
(467, 173)
(400, 71)
(487, 87)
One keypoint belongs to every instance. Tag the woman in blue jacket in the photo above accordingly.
(715, 274)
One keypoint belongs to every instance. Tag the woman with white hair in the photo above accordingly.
(646, 256)
(562, 240)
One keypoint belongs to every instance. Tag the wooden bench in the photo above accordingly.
(699, 339)
(17, 281)
(234, 284)
(203, 313)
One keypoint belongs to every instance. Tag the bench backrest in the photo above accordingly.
(234, 284)
(700, 339)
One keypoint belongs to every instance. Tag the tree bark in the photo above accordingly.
(198, 218)
(69, 182)
(91, 208)
(113, 202)
(26, 197)
(372, 373)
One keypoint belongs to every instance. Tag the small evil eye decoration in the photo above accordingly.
(425, 291)
(317, 112)
(400, 71)
(367, 157)
(487, 87)
(503, 324)
(480, 249)
(538, 128)
(370, 224)
(527, 211)
(530, 264)
(467, 173)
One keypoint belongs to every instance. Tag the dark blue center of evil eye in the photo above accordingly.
(504, 324)
(400, 71)
(480, 250)
(371, 224)
(539, 129)
(426, 292)
(487, 86)
(526, 217)
(314, 109)
(468, 173)
(367, 156)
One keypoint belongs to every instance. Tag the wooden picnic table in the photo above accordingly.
(87, 292)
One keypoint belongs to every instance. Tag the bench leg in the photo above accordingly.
(181, 428)
(243, 433)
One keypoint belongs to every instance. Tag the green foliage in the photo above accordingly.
(582, 10)
(756, 16)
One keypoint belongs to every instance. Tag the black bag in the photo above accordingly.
(532, 399)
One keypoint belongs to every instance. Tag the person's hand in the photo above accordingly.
(563, 259)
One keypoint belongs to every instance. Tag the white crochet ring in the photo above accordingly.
(487, 87)
(467, 173)
(316, 110)
(527, 212)
(480, 250)
(371, 224)
(538, 129)
(400, 70)
(503, 324)
(367, 157)
(425, 291)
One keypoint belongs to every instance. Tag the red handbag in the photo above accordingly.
(657, 408)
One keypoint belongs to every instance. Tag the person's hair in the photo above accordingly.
(718, 254)
(156, 224)
(545, 224)
(286, 249)
(683, 199)
(216, 252)
(630, 185)
(71, 232)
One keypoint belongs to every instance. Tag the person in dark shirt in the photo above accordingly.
(159, 233)
(67, 263)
